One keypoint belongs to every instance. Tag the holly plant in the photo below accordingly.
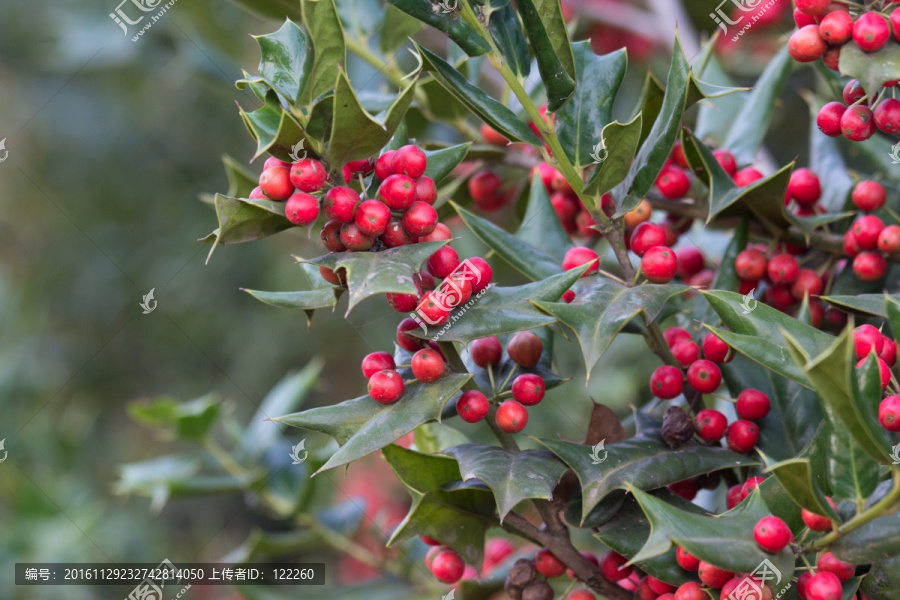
(762, 460)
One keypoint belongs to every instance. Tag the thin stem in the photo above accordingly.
(508, 377)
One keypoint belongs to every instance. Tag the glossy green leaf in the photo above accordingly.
(645, 462)
(872, 69)
(621, 143)
(273, 128)
(486, 108)
(872, 304)
(716, 116)
(601, 311)
(546, 29)
(580, 123)
(371, 273)
(286, 59)
(882, 580)
(507, 32)
(402, 27)
(243, 220)
(442, 162)
(649, 105)
(747, 133)
(436, 437)
(541, 228)
(797, 477)
(355, 134)
(465, 36)
(512, 477)
(322, 294)
(875, 541)
(191, 420)
(456, 518)
(362, 426)
(852, 474)
(241, 180)
(326, 35)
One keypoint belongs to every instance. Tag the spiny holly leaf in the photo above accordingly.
(329, 54)
(286, 59)
(601, 311)
(747, 132)
(512, 477)
(244, 220)
(371, 273)
(436, 437)
(621, 141)
(833, 375)
(509, 36)
(442, 162)
(273, 128)
(651, 104)
(628, 531)
(852, 474)
(486, 108)
(715, 117)
(644, 461)
(754, 330)
(540, 228)
(872, 304)
(241, 180)
(362, 426)
(457, 518)
(871, 543)
(546, 29)
(722, 540)
(465, 36)
(872, 69)
(322, 294)
(355, 134)
(502, 310)
(580, 123)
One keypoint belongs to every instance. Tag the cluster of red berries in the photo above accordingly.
(824, 27)
(386, 384)
(527, 389)
(867, 339)
(866, 242)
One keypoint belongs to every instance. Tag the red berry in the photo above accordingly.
(339, 278)
(742, 436)
(889, 239)
(887, 114)
(823, 586)
(383, 168)
(889, 354)
(808, 282)
(686, 488)
(525, 349)
(726, 160)
(528, 389)
(426, 191)
(716, 350)
(813, 7)
(712, 575)
(372, 217)
(750, 264)
(858, 123)
(403, 303)
(612, 566)
(686, 352)
(478, 272)
(433, 310)
(420, 219)
(895, 23)
(394, 235)
(581, 595)
(869, 196)
(578, 256)
(772, 534)
(275, 183)
(673, 183)
(867, 339)
(646, 236)
(829, 118)
(443, 262)
(678, 156)
(386, 386)
(673, 335)
(869, 266)
(429, 542)
(340, 203)
(806, 45)
(547, 564)
(410, 160)
(448, 567)
(472, 406)
(492, 136)
(659, 264)
(866, 230)
(836, 27)
(660, 587)
(308, 175)
(690, 259)
(871, 31)
(815, 521)
(853, 92)
(686, 560)
(804, 186)
(486, 351)
(704, 376)
(666, 382)
(733, 496)
(354, 239)
(406, 341)
(397, 191)
(568, 297)
(691, 591)
(889, 413)
(484, 188)
(783, 268)
(829, 563)
(377, 361)
(427, 365)
(751, 484)
(752, 405)
(511, 416)
(331, 236)
(301, 209)
(441, 232)
(801, 19)
(710, 425)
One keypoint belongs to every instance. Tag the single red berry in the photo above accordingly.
(372, 217)
(443, 262)
(484, 188)
(301, 209)
(829, 118)
(858, 123)
(472, 406)
(492, 136)
(568, 296)
(806, 45)
(712, 575)
(581, 595)
(871, 31)
(673, 335)
(308, 175)
(673, 183)
(889, 353)
(340, 203)
(429, 542)
(354, 239)
(432, 552)
(686, 352)
(869, 266)
(394, 234)
(808, 282)
(410, 160)
(889, 413)
(704, 376)
(441, 232)
(853, 92)
(275, 183)
(448, 567)
(783, 268)
(836, 27)
(813, 7)
(383, 168)
(687, 488)
(427, 365)
(659, 264)
(887, 113)
(686, 560)
(801, 19)
(750, 264)
(645, 236)
(528, 389)
(547, 564)
(386, 386)
(546, 172)
(804, 186)
(403, 303)
(612, 564)
(894, 18)
(331, 236)
(275, 162)
(420, 219)
(406, 341)
(772, 534)
(525, 349)
(883, 369)
(578, 256)
(815, 521)
(751, 484)
(716, 350)
(691, 591)
(726, 160)
(866, 230)
(868, 196)
(889, 239)
(559, 183)
(678, 156)
(829, 563)
(433, 310)
(496, 551)
(377, 361)
(710, 425)
(742, 436)
(426, 191)
(457, 288)
(660, 587)
(257, 194)
(867, 339)
(851, 248)
(824, 586)
(666, 382)
(511, 417)
(397, 191)
(752, 405)
(339, 278)
(733, 496)
(486, 351)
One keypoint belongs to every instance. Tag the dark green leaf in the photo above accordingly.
(507, 32)
(286, 59)
(872, 69)
(650, 104)
(883, 580)
(546, 29)
(442, 162)
(501, 372)
(872, 304)
(465, 36)
(241, 180)
(273, 128)
(852, 474)
(540, 226)
(620, 143)
(323, 294)
(329, 54)
(716, 116)
(726, 275)
(798, 479)
(873, 542)
(243, 220)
